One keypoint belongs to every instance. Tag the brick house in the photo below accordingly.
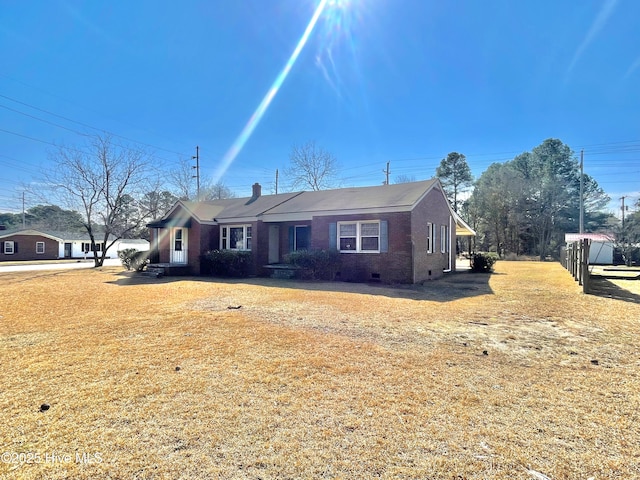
(402, 233)
(30, 244)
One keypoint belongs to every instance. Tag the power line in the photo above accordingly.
(43, 120)
(82, 124)
(73, 148)
(75, 121)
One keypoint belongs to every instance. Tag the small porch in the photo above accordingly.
(168, 269)
(282, 270)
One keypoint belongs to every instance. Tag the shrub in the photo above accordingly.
(154, 255)
(315, 264)
(483, 262)
(226, 263)
(133, 259)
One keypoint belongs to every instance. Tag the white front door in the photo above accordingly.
(179, 245)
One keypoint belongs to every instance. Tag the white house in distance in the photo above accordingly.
(602, 246)
(30, 244)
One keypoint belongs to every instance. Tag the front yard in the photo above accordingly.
(469, 377)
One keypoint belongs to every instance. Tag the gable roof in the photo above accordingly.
(63, 236)
(378, 199)
(58, 236)
(297, 206)
(210, 211)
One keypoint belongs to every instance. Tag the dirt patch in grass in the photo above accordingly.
(472, 376)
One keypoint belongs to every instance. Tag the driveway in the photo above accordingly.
(109, 262)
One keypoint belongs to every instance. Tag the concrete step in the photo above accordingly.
(156, 272)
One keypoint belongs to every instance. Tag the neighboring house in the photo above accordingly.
(602, 246)
(31, 244)
(403, 233)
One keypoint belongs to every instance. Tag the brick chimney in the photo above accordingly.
(257, 191)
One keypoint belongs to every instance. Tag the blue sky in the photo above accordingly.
(399, 81)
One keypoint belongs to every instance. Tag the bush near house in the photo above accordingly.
(483, 262)
(315, 264)
(133, 259)
(226, 263)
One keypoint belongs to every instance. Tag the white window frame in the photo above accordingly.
(431, 237)
(247, 237)
(9, 245)
(37, 245)
(178, 240)
(359, 236)
(86, 247)
(444, 239)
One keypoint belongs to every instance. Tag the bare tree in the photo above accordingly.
(101, 182)
(156, 202)
(217, 191)
(184, 183)
(183, 180)
(311, 167)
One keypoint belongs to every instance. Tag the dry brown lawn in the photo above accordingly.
(511, 375)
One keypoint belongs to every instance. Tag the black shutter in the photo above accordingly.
(15, 247)
(333, 236)
(384, 236)
(2, 246)
(292, 233)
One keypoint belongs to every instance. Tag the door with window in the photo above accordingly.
(179, 245)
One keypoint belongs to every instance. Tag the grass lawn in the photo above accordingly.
(469, 377)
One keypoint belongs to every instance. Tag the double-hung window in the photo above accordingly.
(237, 237)
(431, 237)
(359, 237)
(40, 247)
(86, 247)
(444, 239)
(9, 248)
(177, 240)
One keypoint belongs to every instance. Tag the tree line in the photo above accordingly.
(522, 207)
(109, 191)
(525, 206)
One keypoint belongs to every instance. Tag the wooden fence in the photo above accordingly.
(575, 258)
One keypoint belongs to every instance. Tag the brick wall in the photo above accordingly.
(260, 247)
(163, 243)
(393, 266)
(201, 239)
(433, 208)
(27, 248)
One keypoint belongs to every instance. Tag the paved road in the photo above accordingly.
(109, 262)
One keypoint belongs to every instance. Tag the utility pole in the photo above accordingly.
(276, 181)
(24, 218)
(386, 172)
(197, 168)
(581, 191)
(622, 208)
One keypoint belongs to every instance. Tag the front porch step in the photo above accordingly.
(156, 272)
(168, 269)
(282, 270)
(282, 273)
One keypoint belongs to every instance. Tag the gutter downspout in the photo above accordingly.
(450, 249)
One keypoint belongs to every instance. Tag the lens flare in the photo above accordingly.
(253, 122)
